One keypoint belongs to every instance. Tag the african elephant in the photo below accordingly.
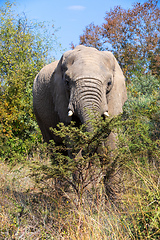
(84, 78)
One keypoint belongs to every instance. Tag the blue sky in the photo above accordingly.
(70, 16)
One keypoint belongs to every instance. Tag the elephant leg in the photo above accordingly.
(47, 135)
(111, 141)
(112, 173)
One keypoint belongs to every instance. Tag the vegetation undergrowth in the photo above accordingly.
(31, 210)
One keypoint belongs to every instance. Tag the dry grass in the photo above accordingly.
(31, 211)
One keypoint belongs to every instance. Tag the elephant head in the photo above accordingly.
(84, 80)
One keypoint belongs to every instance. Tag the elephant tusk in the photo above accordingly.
(70, 113)
(106, 114)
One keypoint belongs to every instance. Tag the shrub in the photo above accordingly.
(25, 48)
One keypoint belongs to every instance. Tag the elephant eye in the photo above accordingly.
(67, 81)
(109, 86)
(109, 83)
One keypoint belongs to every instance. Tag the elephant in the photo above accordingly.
(83, 79)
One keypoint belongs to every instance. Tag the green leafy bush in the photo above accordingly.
(76, 161)
(25, 48)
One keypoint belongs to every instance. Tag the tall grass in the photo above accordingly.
(37, 211)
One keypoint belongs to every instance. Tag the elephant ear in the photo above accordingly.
(118, 94)
(60, 98)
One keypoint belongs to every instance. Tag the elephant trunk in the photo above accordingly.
(88, 101)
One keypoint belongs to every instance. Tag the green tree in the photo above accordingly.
(141, 116)
(25, 48)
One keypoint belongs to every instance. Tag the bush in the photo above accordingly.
(25, 48)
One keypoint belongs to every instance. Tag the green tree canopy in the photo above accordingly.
(25, 48)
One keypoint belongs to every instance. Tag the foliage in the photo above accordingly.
(143, 105)
(36, 211)
(76, 161)
(140, 146)
(92, 37)
(132, 35)
(24, 50)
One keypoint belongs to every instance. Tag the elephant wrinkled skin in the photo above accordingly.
(83, 79)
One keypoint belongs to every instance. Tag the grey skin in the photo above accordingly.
(84, 79)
